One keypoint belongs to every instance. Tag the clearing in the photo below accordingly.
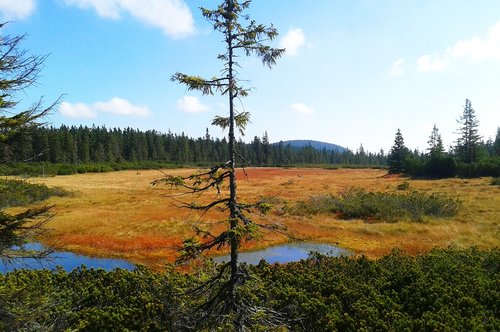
(120, 215)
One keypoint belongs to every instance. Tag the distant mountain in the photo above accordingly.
(298, 143)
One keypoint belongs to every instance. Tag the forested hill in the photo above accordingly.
(315, 144)
(75, 145)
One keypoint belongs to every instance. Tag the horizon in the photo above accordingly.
(375, 67)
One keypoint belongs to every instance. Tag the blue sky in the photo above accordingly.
(355, 70)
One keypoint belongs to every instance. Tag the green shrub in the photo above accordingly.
(358, 203)
(48, 169)
(495, 182)
(396, 293)
(443, 290)
(19, 192)
(405, 185)
(66, 169)
(448, 166)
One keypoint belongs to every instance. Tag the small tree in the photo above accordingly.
(436, 148)
(438, 164)
(19, 71)
(467, 148)
(227, 19)
(397, 155)
(496, 143)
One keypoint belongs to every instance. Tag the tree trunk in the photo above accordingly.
(233, 218)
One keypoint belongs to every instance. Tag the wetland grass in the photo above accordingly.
(118, 214)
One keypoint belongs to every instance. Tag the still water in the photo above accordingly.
(67, 260)
(279, 254)
(286, 253)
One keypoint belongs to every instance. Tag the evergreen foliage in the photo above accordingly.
(436, 148)
(467, 148)
(82, 146)
(228, 304)
(445, 289)
(18, 71)
(496, 144)
(357, 203)
(397, 155)
(471, 157)
(18, 192)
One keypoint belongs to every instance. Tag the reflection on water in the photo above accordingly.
(286, 253)
(279, 254)
(67, 260)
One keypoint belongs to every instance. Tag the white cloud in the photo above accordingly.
(78, 110)
(172, 16)
(104, 8)
(116, 106)
(119, 106)
(475, 49)
(301, 108)
(16, 9)
(293, 41)
(397, 68)
(191, 104)
(433, 63)
(478, 49)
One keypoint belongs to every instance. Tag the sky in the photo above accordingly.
(354, 71)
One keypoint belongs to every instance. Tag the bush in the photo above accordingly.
(478, 169)
(88, 300)
(447, 166)
(20, 192)
(48, 169)
(395, 293)
(405, 185)
(358, 203)
(441, 167)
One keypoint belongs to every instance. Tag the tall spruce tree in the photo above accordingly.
(19, 71)
(228, 19)
(397, 155)
(468, 143)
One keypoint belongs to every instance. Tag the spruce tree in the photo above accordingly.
(467, 148)
(19, 71)
(496, 143)
(228, 19)
(397, 155)
(436, 148)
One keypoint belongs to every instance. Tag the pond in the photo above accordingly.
(67, 260)
(286, 253)
(279, 254)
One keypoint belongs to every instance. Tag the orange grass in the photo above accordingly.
(120, 214)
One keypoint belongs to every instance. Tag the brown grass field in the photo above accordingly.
(119, 214)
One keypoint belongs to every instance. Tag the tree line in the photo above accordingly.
(83, 145)
(470, 156)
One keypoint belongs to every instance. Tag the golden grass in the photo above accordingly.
(120, 214)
